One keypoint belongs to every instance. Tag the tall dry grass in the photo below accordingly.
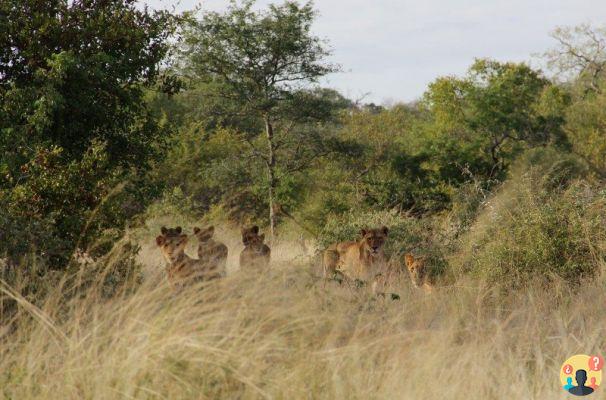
(288, 335)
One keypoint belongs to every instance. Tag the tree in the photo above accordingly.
(497, 106)
(73, 121)
(580, 59)
(263, 63)
(580, 54)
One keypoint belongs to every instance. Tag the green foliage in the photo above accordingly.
(58, 196)
(544, 223)
(73, 123)
(381, 162)
(495, 109)
(466, 202)
(215, 169)
(261, 65)
(260, 58)
(586, 129)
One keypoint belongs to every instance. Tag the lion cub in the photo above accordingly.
(418, 272)
(364, 259)
(180, 267)
(212, 254)
(256, 254)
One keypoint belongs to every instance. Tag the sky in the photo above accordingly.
(390, 50)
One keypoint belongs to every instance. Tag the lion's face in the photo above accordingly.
(172, 240)
(251, 237)
(374, 239)
(204, 234)
(416, 268)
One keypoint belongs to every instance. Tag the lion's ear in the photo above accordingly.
(179, 229)
(255, 229)
(196, 230)
(262, 237)
(409, 259)
(385, 230)
(160, 240)
(210, 230)
(363, 232)
(164, 230)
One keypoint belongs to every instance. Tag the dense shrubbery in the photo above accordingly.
(545, 222)
(76, 136)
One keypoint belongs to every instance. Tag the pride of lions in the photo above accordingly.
(361, 261)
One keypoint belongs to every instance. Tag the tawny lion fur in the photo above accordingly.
(361, 260)
(256, 253)
(180, 268)
(418, 272)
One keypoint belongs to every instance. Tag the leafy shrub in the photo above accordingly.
(64, 205)
(466, 201)
(543, 223)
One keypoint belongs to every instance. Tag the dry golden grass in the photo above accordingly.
(289, 335)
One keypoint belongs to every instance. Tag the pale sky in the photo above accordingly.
(392, 49)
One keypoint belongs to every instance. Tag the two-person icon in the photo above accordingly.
(580, 389)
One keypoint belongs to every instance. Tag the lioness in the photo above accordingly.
(418, 272)
(180, 267)
(363, 260)
(256, 254)
(212, 254)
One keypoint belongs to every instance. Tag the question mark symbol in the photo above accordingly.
(596, 363)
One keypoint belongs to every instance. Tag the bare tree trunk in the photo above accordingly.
(271, 177)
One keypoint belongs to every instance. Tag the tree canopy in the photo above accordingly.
(73, 121)
(262, 63)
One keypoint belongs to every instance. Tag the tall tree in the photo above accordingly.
(264, 63)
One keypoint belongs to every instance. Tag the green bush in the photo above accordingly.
(64, 205)
(543, 223)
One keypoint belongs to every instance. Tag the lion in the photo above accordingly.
(256, 254)
(212, 254)
(361, 260)
(418, 272)
(180, 267)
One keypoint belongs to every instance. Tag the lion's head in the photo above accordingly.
(171, 240)
(374, 239)
(416, 268)
(251, 237)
